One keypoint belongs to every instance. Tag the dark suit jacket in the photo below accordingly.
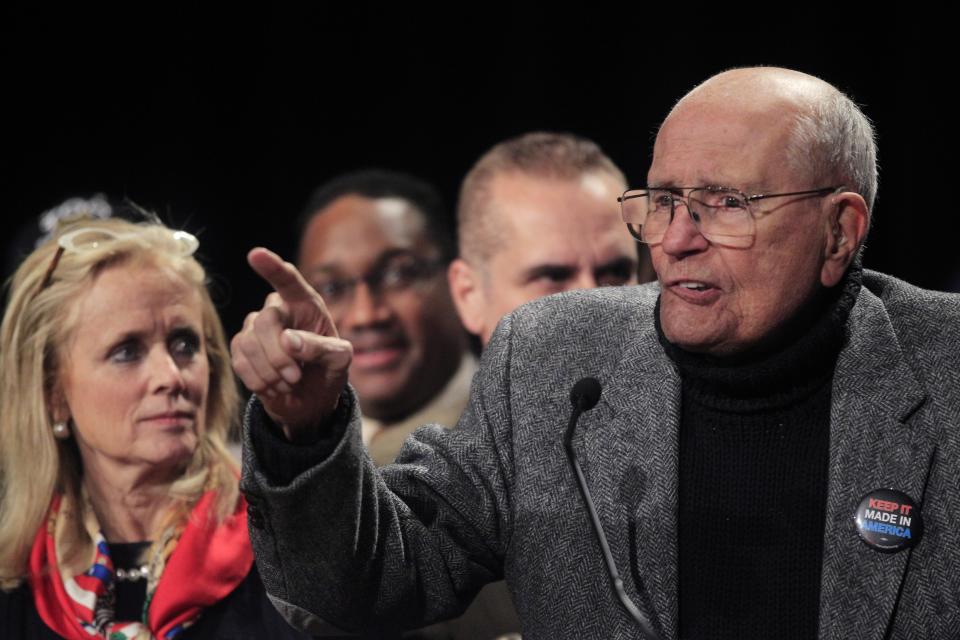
(345, 545)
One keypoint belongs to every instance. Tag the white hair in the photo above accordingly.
(833, 140)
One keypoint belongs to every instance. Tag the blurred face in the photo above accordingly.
(382, 279)
(722, 300)
(557, 235)
(135, 373)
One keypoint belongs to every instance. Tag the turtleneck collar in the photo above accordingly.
(783, 373)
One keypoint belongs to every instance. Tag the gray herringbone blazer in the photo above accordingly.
(360, 549)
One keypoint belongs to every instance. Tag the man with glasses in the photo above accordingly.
(774, 454)
(376, 244)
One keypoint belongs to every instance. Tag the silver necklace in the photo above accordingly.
(134, 574)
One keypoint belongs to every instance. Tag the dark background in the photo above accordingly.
(224, 122)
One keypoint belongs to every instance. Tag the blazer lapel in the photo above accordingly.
(872, 446)
(631, 468)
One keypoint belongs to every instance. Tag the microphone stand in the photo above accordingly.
(580, 405)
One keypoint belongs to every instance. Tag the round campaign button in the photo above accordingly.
(888, 520)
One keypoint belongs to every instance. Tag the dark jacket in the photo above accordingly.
(344, 545)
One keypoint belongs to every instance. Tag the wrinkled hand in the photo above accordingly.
(289, 352)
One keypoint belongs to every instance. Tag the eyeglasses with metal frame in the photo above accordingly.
(723, 215)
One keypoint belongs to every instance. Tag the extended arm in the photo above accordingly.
(337, 540)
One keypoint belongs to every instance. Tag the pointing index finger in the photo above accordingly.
(282, 276)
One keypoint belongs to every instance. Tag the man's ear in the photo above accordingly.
(466, 289)
(848, 222)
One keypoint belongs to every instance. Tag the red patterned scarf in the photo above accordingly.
(197, 564)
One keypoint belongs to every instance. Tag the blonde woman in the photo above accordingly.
(120, 515)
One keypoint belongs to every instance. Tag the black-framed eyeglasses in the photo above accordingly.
(722, 214)
(392, 274)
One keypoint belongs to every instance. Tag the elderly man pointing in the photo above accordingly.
(775, 452)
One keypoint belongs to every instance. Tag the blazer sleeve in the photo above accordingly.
(344, 547)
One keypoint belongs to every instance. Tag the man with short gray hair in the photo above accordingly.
(774, 454)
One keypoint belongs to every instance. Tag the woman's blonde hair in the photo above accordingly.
(37, 326)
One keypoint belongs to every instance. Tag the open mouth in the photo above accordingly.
(694, 286)
(694, 291)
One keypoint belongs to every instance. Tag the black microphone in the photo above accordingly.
(584, 396)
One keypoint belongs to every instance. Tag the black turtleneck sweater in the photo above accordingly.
(754, 450)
